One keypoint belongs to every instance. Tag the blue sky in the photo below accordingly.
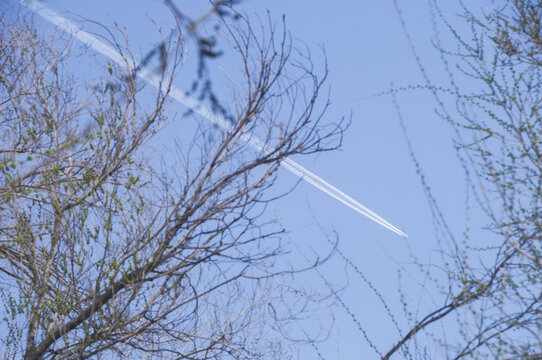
(366, 51)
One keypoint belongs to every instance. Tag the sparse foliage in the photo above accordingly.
(494, 277)
(486, 286)
(106, 252)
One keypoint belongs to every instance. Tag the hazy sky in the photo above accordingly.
(366, 51)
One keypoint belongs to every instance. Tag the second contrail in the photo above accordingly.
(197, 107)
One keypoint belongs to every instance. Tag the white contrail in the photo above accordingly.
(197, 107)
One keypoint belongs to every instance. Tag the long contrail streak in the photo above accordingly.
(197, 107)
